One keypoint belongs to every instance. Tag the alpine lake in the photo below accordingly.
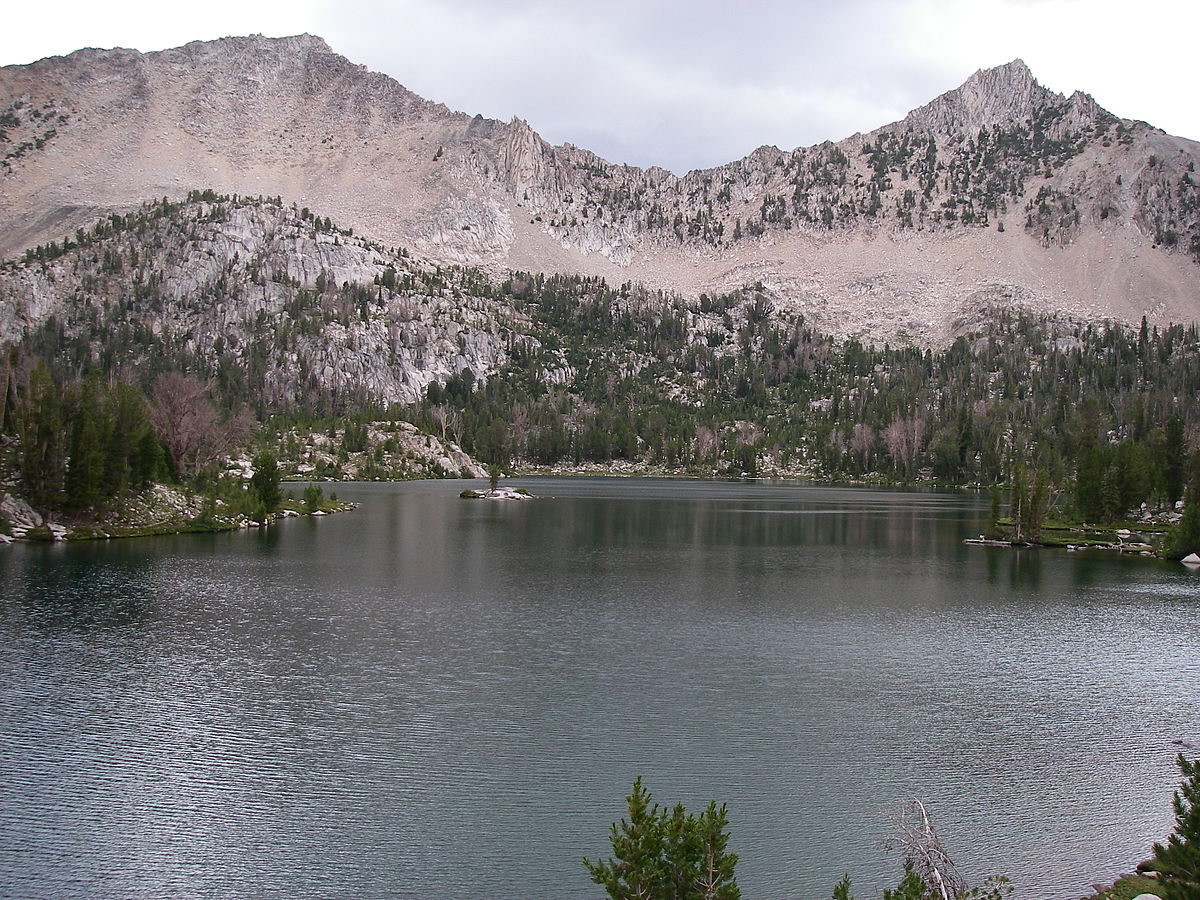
(431, 697)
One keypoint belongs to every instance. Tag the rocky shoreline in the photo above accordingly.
(159, 510)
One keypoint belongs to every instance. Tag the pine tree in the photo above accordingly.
(1019, 502)
(85, 472)
(1174, 458)
(993, 511)
(1090, 468)
(714, 878)
(43, 460)
(1185, 538)
(911, 887)
(637, 868)
(128, 423)
(668, 855)
(6, 385)
(1177, 863)
(264, 485)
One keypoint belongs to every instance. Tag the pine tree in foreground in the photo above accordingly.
(661, 854)
(1177, 863)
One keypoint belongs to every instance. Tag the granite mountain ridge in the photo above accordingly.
(999, 192)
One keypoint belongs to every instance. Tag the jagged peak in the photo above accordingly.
(1014, 71)
(1002, 95)
(290, 44)
(302, 41)
(296, 46)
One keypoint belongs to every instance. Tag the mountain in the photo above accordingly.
(1000, 192)
(269, 302)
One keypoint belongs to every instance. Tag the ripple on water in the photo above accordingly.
(433, 698)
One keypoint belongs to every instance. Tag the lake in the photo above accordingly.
(438, 698)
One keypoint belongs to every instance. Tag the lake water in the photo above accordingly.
(437, 698)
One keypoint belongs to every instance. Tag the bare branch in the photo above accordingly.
(918, 843)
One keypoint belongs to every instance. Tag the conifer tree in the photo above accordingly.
(1019, 503)
(43, 460)
(264, 484)
(1174, 458)
(1177, 863)
(85, 472)
(667, 855)
(1039, 498)
(637, 868)
(6, 387)
(1185, 538)
(128, 422)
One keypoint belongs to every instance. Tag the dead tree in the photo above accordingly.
(917, 841)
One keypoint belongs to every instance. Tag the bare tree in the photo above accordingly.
(190, 427)
(917, 841)
(454, 423)
(520, 426)
(440, 416)
(904, 439)
(862, 442)
(747, 432)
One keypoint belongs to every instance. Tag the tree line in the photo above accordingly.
(76, 445)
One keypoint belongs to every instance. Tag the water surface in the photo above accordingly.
(431, 697)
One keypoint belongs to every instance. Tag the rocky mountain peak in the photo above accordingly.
(526, 160)
(1005, 95)
(955, 199)
(233, 47)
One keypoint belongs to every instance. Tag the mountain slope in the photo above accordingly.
(999, 189)
(270, 303)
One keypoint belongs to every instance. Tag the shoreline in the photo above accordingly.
(160, 510)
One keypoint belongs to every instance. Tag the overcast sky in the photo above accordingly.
(686, 83)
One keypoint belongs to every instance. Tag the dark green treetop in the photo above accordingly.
(661, 854)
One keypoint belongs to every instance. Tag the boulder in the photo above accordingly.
(19, 513)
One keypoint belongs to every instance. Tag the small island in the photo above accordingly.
(498, 494)
(494, 491)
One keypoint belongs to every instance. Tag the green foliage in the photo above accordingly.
(43, 454)
(661, 854)
(1177, 862)
(82, 445)
(313, 497)
(1174, 459)
(993, 511)
(911, 886)
(355, 437)
(264, 484)
(1185, 537)
(599, 373)
(1127, 887)
(85, 481)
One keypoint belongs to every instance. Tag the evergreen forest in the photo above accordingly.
(1079, 420)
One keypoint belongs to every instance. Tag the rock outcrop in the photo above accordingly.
(999, 185)
(251, 289)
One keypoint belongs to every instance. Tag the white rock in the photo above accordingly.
(18, 512)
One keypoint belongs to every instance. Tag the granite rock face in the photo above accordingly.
(999, 185)
(252, 286)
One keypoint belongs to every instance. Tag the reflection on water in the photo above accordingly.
(438, 698)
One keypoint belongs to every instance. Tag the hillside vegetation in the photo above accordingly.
(313, 330)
